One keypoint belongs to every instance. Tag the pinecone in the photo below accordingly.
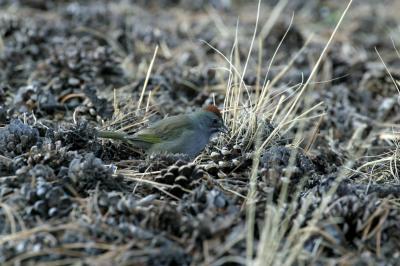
(276, 169)
(17, 138)
(85, 173)
(180, 175)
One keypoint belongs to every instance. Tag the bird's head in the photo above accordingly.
(211, 120)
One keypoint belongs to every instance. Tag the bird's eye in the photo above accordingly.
(215, 121)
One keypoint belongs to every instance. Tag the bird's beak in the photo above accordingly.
(224, 129)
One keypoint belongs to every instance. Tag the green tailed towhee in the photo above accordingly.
(186, 134)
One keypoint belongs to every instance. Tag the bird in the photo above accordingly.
(181, 134)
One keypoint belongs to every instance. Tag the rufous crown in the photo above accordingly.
(214, 109)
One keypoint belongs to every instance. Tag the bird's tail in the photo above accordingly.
(105, 134)
(122, 136)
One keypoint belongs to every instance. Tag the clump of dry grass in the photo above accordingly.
(383, 168)
(283, 234)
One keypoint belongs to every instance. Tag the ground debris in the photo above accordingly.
(313, 179)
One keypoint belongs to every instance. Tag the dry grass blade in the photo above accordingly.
(388, 71)
(44, 228)
(147, 79)
(250, 204)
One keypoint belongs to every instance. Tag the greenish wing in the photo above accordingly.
(150, 138)
(172, 127)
